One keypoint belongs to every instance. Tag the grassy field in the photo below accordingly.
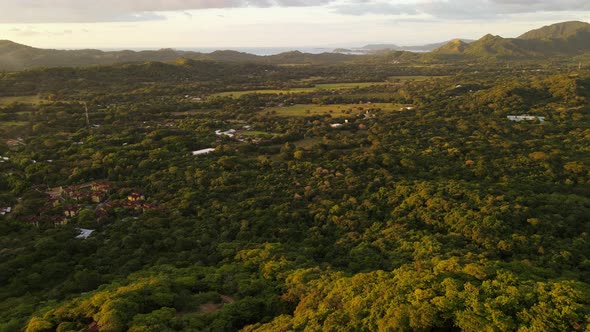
(337, 110)
(12, 124)
(20, 99)
(260, 134)
(393, 79)
(319, 87)
(331, 86)
(193, 112)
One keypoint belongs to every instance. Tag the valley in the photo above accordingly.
(393, 192)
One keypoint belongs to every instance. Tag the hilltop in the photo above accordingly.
(416, 48)
(562, 30)
(562, 39)
(452, 47)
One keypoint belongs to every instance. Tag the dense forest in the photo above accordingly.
(377, 196)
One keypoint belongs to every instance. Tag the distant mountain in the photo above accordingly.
(417, 48)
(376, 47)
(563, 39)
(557, 31)
(15, 56)
(453, 47)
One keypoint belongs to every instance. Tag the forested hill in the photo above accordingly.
(557, 31)
(15, 56)
(562, 39)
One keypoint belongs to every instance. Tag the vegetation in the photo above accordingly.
(426, 209)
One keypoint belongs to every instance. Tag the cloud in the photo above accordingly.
(459, 9)
(25, 32)
(75, 11)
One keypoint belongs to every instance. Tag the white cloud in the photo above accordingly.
(72, 11)
(459, 9)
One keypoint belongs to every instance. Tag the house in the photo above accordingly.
(98, 196)
(70, 192)
(71, 210)
(135, 196)
(84, 233)
(99, 191)
(100, 186)
(55, 201)
(519, 118)
(228, 133)
(77, 195)
(59, 221)
(5, 210)
(202, 152)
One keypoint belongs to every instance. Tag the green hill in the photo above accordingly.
(455, 46)
(15, 56)
(563, 39)
(557, 31)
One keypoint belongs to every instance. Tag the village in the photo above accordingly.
(60, 205)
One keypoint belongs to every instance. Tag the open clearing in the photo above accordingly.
(395, 79)
(319, 87)
(331, 86)
(336, 110)
(20, 99)
(12, 124)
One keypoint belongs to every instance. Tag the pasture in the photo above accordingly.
(336, 110)
(20, 99)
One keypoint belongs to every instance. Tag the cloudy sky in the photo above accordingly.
(272, 23)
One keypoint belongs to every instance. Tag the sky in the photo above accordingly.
(136, 24)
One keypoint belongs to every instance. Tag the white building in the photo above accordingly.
(4, 211)
(518, 118)
(84, 233)
(202, 152)
(229, 133)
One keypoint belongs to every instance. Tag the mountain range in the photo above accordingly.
(417, 48)
(561, 39)
(15, 56)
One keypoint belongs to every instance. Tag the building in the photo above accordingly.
(97, 196)
(100, 186)
(84, 233)
(519, 118)
(5, 210)
(202, 152)
(71, 211)
(135, 196)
